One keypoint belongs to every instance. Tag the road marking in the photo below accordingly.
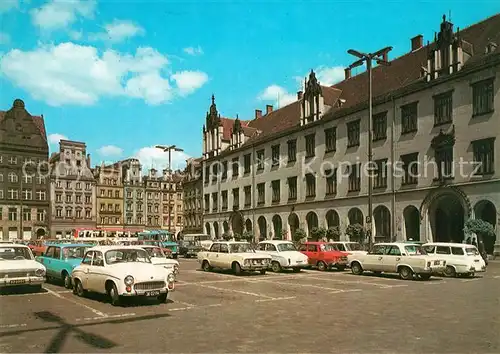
(180, 309)
(469, 280)
(435, 282)
(234, 291)
(9, 295)
(303, 285)
(184, 303)
(276, 299)
(496, 276)
(109, 316)
(97, 312)
(345, 291)
(13, 325)
(351, 282)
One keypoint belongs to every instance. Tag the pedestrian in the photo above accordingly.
(474, 243)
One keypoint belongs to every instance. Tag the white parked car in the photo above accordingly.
(408, 260)
(121, 271)
(159, 258)
(235, 255)
(284, 255)
(19, 268)
(461, 259)
(350, 247)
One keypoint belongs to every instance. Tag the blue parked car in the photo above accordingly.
(60, 259)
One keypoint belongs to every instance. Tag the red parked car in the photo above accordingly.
(324, 255)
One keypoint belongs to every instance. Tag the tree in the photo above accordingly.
(226, 236)
(318, 233)
(284, 234)
(237, 237)
(482, 229)
(333, 233)
(299, 236)
(247, 236)
(356, 233)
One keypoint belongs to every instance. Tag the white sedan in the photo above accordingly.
(159, 258)
(284, 255)
(120, 271)
(19, 268)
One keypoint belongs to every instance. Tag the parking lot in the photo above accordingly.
(310, 311)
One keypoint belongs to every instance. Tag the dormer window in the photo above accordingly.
(312, 105)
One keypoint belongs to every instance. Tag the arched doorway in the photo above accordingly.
(207, 230)
(225, 226)
(382, 219)
(262, 227)
(332, 219)
(486, 211)
(293, 223)
(237, 223)
(355, 216)
(411, 217)
(40, 233)
(447, 217)
(312, 222)
(248, 225)
(277, 227)
(216, 230)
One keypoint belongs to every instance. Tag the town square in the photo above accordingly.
(242, 177)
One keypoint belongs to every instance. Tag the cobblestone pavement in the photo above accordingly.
(307, 312)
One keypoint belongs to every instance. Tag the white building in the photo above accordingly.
(438, 104)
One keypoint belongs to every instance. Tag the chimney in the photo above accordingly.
(300, 94)
(385, 56)
(258, 113)
(269, 108)
(347, 72)
(88, 160)
(417, 42)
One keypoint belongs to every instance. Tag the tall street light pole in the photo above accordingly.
(169, 149)
(380, 58)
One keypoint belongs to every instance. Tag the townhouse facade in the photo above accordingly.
(192, 185)
(24, 174)
(152, 184)
(134, 192)
(109, 197)
(435, 137)
(72, 190)
(171, 202)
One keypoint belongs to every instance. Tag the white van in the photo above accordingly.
(461, 258)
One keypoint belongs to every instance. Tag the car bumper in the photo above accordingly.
(296, 265)
(10, 282)
(338, 264)
(146, 293)
(254, 267)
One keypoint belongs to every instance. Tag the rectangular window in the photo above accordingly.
(236, 198)
(310, 145)
(26, 215)
(275, 155)
(482, 97)
(354, 178)
(260, 160)
(443, 108)
(246, 163)
(12, 214)
(207, 175)
(235, 167)
(224, 170)
(484, 156)
(224, 200)
(409, 116)
(215, 201)
(444, 161)
(215, 171)
(207, 202)
(330, 139)
(410, 168)
(12, 194)
(248, 195)
(40, 215)
(261, 193)
(40, 195)
(380, 126)
(331, 182)
(292, 150)
(27, 194)
(292, 188)
(276, 191)
(380, 174)
(310, 185)
(353, 133)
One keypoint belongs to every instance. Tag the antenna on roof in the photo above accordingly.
(449, 15)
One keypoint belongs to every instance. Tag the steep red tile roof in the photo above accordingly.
(227, 127)
(38, 120)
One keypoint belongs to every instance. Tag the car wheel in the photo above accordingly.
(356, 268)
(163, 298)
(78, 288)
(37, 287)
(113, 295)
(377, 272)
(341, 268)
(471, 275)
(66, 280)
(206, 266)
(449, 271)
(405, 273)
(175, 256)
(322, 266)
(296, 270)
(263, 272)
(276, 267)
(425, 276)
(236, 268)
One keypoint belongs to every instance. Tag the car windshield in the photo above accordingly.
(283, 247)
(353, 247)
(74, 252)
(127, 255)
(472, 251)
(329, 247)
(414, 250)
(241, 248)
(155, 252)
(15, 253)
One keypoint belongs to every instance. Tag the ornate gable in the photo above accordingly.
(213, 116)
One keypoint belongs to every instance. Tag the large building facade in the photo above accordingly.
(435, 137)
(24, 174)
(171, 202)
(109, 195)
(72, 190)
(134, 217)
(192, 185)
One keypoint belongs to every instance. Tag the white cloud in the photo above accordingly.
(327, 76)
(59, 14)
(69, 73)
(153, 157)
(118, 31)
(278, 95)
(189, 81)
(110, 150)
(4, 38)
(193, 50)
(7, 5)
(75, 35)
(56, 138)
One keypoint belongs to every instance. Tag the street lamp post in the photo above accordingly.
(169, 149)
(380, 58)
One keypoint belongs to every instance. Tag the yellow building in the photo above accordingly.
(109, 197)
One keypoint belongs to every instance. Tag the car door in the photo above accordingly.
(48, 260)
(271, 250)
(444, 252)
(96, 274)
(223, 256)
(213, 254)
(391, 259)
(313, 254)
(373, 260)
(84, 269)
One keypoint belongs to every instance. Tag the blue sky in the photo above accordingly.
(123, 76)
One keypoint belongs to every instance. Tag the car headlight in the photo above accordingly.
(171, 278)
(176, 268)
(246, 262)
(40, 272)
(129, 280)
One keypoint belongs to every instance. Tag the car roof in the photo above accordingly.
(276, 242)
(343, 242)
(10, 245)
(402, 244)
(64, 245)
(448, 244)
(315, 242)
(115, 247)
